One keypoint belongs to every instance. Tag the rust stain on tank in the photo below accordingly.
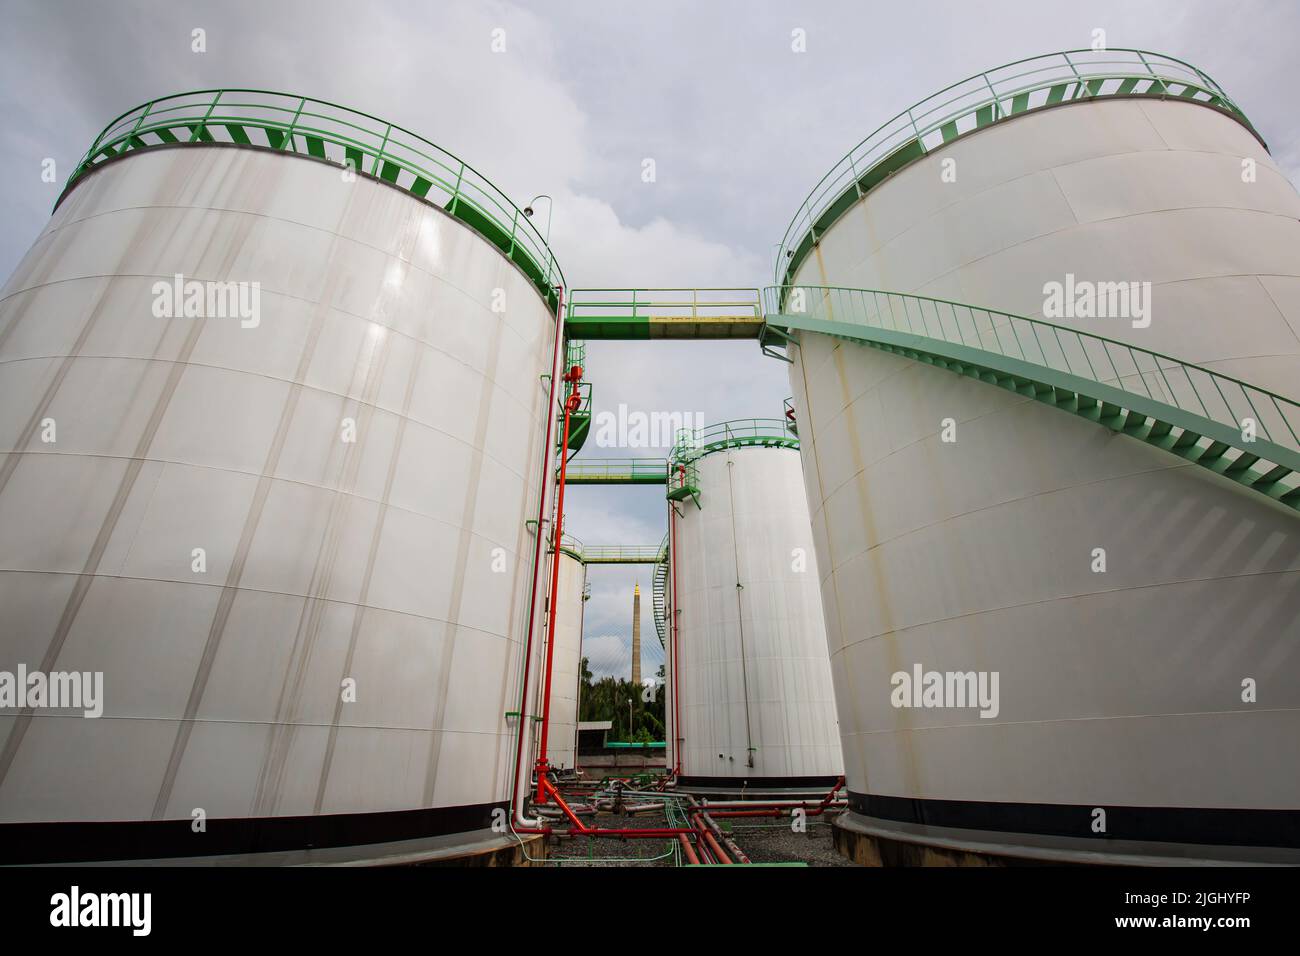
(875, 565)
(821, 264)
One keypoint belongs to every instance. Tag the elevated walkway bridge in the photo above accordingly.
(1221, 423)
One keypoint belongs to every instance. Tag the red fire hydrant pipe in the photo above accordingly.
(677, 662)
(570, 405)
(520, 823)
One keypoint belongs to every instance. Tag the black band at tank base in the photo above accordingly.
(30, 843)
(1193, 825)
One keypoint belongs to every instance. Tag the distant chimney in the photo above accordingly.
(636, 634)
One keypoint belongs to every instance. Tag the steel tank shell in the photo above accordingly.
(753, 675)
(562, 739)
(1109, 190)
(358, 469)
(1120, 690)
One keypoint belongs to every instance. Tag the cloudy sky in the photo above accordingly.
(740, 127)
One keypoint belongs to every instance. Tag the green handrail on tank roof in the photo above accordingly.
(693, 444)
(571, 546)
(327, 131)
(979, 101)
(1191, 411)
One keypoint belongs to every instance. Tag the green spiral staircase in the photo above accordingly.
(1233, 428)
(659, 587)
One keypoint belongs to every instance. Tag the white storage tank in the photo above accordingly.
(749, 679)
(294, 537)
(562, 736)
(980, 555)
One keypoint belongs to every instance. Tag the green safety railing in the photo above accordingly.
(617, 471)
(1223, 423)
(575, 353)
(571, 546)
(326, 131)
(611, 553)
(693, 444)
(683, 480)
(659, 590)
(977, 102)
(648, 313)
(622, 554)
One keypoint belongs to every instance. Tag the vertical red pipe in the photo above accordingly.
(570, 402)
(537, 559)
(677, 662)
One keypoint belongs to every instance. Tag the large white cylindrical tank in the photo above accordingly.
(562, 736)
(297, 549)
(1124, 687)
(749, 659)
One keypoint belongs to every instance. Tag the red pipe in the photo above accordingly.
(677, 661)
(570, 405)
(722, 814)
(703, 818)
(544, 787)
(658, 834)
(517, 806)
(688, 850)
(714, 845)
(755, 808)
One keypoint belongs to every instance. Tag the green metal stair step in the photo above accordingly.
(1260, 465)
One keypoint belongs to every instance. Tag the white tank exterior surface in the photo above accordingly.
(1111, 190)
(562, 742)
(754, 678)
(242, 526)
(1117, 689)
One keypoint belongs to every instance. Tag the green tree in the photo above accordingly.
(607, 699)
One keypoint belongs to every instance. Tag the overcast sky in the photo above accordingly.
(739, 125)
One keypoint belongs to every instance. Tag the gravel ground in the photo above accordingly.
(772, 841)
(763, 840)
(611, 851)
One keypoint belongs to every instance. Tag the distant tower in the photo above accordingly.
(636, 634)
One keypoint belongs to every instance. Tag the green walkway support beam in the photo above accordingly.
(1231, 427)
(613, 553)
(621, 554)
(617, 471)
(663, 314)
